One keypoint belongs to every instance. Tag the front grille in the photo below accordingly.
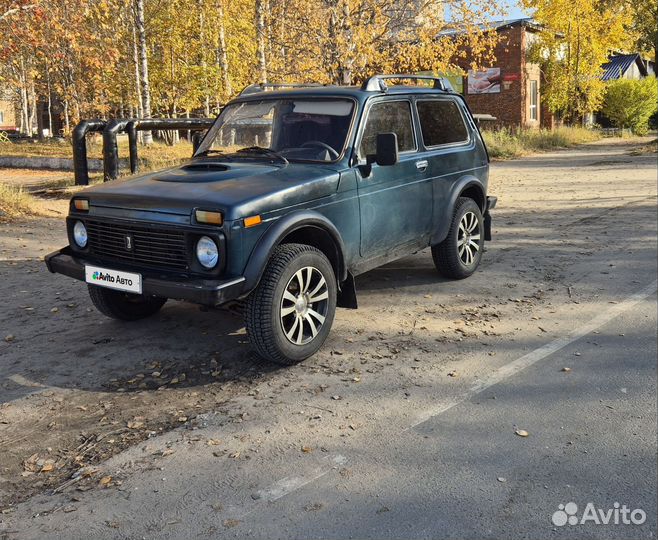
(154, 247)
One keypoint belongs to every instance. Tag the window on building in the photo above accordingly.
(441, 122)
(534, 100)
(388, 117)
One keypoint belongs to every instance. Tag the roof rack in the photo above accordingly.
(377, 83)
(262, 87)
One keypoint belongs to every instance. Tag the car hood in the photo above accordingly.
(237, 188)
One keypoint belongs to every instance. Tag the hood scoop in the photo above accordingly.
(201, 167)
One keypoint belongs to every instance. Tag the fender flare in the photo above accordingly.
(281, 228)
(460, 186)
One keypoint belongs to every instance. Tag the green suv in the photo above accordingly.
(292, 192)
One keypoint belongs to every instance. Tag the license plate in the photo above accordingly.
(114, 279)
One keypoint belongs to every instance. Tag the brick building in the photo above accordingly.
(7, 111)
(510, 90)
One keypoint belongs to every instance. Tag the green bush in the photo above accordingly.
(630, 103)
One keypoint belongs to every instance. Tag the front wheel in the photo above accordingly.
(459, 255)
(289, 315)
(124, 306)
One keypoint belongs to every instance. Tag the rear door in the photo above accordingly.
(395, 201)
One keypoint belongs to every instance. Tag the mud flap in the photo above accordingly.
(347, 293)
(491, 203)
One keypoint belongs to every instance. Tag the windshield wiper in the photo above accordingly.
(262, 151)
(212, 151)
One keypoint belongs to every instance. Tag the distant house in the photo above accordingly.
(627, 66)
(7, 111)
(622, 66)
(509, 90)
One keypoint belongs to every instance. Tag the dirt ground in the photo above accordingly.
(76, 388)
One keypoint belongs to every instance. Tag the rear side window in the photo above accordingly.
(388, 117)
(441, 122)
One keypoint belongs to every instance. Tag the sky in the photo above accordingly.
(514, 10)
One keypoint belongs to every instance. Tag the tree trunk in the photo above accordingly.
(138, 89)
(67, 123)
(33, 109)
(202, 52)
(25, 115)
(143, 57)
(222, 55)
(50, 104)
(260, 38)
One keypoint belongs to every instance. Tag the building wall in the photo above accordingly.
(512, 106)
(7, 111)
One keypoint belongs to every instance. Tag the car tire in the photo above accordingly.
(289, 314)
(459, 255)
(124, 306)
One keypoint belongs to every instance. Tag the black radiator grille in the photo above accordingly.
(153, 247)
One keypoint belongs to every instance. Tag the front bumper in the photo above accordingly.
(491, 203)
(209, 292)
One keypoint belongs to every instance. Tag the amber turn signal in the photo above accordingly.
(211, 218)
(252, 221)
(81, 204)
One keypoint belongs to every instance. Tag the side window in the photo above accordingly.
(441, 122)
(388, 117)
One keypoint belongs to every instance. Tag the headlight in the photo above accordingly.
(207, 252)
(80, 234)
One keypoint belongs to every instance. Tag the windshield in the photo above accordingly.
(291, 128)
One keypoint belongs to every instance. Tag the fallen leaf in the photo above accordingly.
(135, 424)
(105, 481)
(9, 338)
(213, 442)
(30, 464)
(453, 374)
(566, 369)
(48, 465)
(307, 449)
(54, 310)
(501, 479)
(521, 432)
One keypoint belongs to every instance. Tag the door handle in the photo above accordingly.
(421, 165)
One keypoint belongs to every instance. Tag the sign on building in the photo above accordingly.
(484, 82)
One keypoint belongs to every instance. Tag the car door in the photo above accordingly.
(395, 201)
(446, 146)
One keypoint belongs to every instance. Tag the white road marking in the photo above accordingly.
(291, 483)
(287, 485)
(535, 356)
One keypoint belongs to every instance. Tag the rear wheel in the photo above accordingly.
(124, 306)
(459, 255)
(289, 315)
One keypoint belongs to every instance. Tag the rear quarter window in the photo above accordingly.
(441, 122)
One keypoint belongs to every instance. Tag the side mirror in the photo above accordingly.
(196, 140)
(387, 149)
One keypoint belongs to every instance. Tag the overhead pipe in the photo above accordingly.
(79, 143)
(132, 125)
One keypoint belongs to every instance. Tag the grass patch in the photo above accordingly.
(15, 203)
(650, 148)
(510, 143)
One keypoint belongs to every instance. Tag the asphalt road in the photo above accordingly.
(411, 424)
